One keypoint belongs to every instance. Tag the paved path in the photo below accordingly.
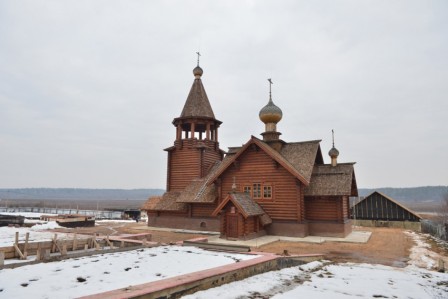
(354, 237)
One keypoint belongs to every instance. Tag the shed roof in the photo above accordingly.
(166, 202)
(327, 180)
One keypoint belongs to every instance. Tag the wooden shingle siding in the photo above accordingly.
(256, 166)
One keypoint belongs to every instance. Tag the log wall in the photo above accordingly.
(255, 166)
(202, 210)
(318, 208)
(187, 161)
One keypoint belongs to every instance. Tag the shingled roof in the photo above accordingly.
(243, 202)
(328, 180)
(298, 163)
(197, 104)
(198, 192)
(302, 156)
(167, 202)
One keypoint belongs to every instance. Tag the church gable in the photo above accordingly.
(276, 157)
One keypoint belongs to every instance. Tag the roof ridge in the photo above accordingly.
(309, 141)
(207, 179)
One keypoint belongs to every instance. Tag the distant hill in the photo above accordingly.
(78, 194)
(428, 193)
(420, 199)
(415, 194)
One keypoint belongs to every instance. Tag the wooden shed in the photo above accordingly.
(378, 206)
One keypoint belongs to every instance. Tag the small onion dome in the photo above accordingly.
(270, 113)
(197, 71)
(333, 153)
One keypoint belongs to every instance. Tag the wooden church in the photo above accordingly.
(266, 186)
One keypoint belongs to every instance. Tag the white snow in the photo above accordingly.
(115, 221)
(7, 234)
(421, 255)
(27, 214)
(349, 280)
(106, 272)
(335, 281)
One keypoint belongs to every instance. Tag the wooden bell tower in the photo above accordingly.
(196, 148)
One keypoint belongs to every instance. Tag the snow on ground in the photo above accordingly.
(115, 221)
(7, 234)
(348, 280)
(317, 280)
(421, 255)
(27, 214)
(99, 273)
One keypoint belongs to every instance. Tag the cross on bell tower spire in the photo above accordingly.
(199, 55)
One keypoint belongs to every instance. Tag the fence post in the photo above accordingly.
(2, 258)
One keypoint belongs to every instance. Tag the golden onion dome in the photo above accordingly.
(270, 113)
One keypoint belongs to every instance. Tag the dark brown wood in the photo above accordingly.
(377, 206)
(232, 230)
(255, 166)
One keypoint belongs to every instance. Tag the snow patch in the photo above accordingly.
(104, 272)
(45, 226)
(421, 255)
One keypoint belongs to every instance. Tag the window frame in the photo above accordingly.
(266, 187)
(256, 190)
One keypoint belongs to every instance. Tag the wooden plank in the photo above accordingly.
(109, 243)
(219, 247)
(75, 242)
(25, 247)
(16, 247)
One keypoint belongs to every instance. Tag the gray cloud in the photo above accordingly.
(88, 89)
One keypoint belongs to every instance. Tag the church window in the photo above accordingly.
(267, 191)
(247, 189)
(256, 190)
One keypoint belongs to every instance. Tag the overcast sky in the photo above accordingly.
(88, 89)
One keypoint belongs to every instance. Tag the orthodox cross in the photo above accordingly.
(270, 87)
(332, 133)
(199, 54)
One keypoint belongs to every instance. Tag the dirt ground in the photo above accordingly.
(387, 246)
